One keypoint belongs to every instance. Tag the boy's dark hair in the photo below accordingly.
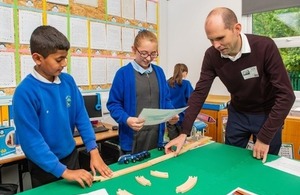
(46, 40)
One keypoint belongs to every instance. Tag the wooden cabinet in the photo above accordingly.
(216, 130)
(291, 134)
(221, 125)
(211, 131)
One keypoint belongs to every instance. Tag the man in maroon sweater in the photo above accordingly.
(252, 70)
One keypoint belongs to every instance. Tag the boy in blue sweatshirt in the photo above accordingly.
(47, 108)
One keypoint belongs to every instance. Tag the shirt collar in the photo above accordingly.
(39, 77)
(244, 49)
(139, 69)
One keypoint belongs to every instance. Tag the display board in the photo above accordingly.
(101, 33)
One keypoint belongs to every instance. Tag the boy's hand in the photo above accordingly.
(82, 176)
(97, 164)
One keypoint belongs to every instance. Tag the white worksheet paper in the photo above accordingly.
(128, 9)
(79, 38)
(59, 22)
(113, 7)
(97, 192)
(27, 65)
(287, 165)
(157, 116)
(98, 35)
(28, 22)
(93, 3)
(6, 25)
(151, 12)
(98, 71)
(140, 10)
(62, 2)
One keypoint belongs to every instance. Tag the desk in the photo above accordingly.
(99, 137)
(220, 169)
(20, 158)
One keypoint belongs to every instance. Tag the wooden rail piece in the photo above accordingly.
(187, 185)
(154, 161)
(143, 181)
(123, 192)
(159, 174)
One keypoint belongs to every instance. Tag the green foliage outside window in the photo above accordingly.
(281, 23)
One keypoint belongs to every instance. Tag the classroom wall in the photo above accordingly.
(98, 50)
(182, 35)
(182, 39)
(180, 29)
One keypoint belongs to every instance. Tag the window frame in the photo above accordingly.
(282, 42)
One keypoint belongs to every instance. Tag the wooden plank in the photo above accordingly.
(154, 161)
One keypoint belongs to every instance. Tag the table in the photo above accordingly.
(99, 137)
(220, 169)
(20, 158)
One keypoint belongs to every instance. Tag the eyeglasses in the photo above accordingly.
(145, 54)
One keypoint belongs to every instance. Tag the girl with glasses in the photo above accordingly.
(137, 85)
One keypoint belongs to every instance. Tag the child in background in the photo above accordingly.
(47, 108)
(140, 84)
(180, 91)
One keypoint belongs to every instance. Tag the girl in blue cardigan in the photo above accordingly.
(140, 84)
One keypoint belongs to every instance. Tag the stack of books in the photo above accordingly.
(216, 102)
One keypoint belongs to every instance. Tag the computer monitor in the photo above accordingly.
(93, 106)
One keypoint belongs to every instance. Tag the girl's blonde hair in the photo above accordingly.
(144, 34)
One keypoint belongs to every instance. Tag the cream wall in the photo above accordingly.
(182, 37)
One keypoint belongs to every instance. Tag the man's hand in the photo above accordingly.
(260, 150)
(135, 123)
(178, 142)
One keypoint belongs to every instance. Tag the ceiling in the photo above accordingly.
(253, 6)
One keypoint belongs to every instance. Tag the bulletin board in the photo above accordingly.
(101, 33)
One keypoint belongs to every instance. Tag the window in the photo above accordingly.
(283, 25)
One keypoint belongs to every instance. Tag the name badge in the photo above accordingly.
(249, 73)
